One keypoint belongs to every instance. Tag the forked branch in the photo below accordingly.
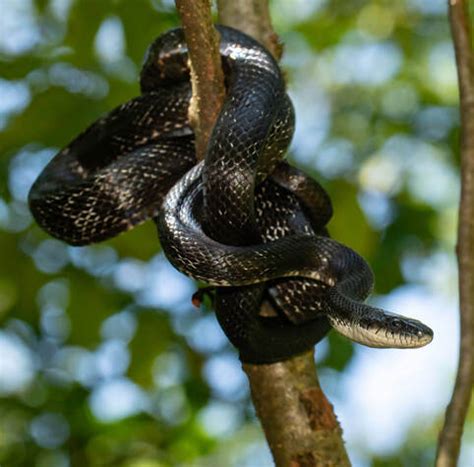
(298, 420)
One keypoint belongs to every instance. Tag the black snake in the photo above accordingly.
(243, 221)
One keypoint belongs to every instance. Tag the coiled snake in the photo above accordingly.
(243, 221)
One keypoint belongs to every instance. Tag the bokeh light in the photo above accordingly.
(103, 358)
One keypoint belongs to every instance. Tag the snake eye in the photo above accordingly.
(396, 323)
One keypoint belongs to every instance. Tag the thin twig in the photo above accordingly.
(207, 77)
(450, 436)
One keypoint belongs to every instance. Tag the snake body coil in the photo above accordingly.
(242, 220)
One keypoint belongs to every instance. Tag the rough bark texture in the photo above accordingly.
(450, 436)
(298, 421)
(206, 71)
(252, 17)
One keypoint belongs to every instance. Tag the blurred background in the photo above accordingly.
(103, 359)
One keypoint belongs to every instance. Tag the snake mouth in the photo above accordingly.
(389, 331)
(411, 333)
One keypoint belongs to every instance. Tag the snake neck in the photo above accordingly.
(247, 140)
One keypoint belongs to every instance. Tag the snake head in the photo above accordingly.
(166, 61)
(395, 331)
(381, 329)
(408, 332)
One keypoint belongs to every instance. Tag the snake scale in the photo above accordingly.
(242, 220)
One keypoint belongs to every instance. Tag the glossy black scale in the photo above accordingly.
(219, 221)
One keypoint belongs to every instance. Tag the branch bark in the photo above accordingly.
(207, 78)
(450, 436)
(298, 420)
(253, 18)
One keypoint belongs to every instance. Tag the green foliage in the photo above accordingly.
(85, 319)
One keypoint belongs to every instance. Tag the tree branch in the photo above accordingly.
(298, 421)
(207, 77)
(450, 436)
(253, 18)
